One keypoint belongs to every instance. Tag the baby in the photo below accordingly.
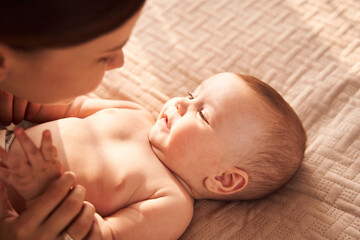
(233, 138)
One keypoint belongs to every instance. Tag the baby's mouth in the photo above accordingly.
(165, 121)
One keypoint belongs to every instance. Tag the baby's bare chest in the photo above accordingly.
(111, 156)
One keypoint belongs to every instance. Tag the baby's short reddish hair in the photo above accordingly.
(280, 150)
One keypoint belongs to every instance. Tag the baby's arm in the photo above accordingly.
(81, 107)
(31, 176)
(14, 109)
(165, 217)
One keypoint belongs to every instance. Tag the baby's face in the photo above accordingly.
(194, 134)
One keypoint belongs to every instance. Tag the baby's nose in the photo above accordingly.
(181, 106)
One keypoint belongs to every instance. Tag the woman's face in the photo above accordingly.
(60, 75)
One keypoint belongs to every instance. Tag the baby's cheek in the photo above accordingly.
(180, 144)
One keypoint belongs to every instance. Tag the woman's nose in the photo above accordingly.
(116, 62)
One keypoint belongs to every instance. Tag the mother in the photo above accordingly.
(52, 51)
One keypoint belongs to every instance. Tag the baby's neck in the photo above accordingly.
(191, 192)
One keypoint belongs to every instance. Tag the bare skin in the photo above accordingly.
(141, 190)
(132, 191)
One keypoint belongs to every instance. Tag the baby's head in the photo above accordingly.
(233, 138)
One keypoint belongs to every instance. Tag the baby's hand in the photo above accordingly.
(31, 176)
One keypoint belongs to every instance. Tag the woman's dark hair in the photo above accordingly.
(38, 24)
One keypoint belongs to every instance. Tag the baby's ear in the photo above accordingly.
(230, 181)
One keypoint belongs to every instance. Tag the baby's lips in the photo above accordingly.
(167, 121)
(164, 121)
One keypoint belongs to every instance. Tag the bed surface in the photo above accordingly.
(309, 51)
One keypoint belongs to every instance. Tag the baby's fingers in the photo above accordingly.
(6, 175)
(47, 148)
(11, 177)
(32, 153)
(13, 163)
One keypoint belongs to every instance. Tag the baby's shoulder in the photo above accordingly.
(178, 207)
(131, 111)
(173, 193)
(130, 116)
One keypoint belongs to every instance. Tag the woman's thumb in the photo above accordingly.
(6, 209)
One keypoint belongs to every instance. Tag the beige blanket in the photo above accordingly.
(309, 50)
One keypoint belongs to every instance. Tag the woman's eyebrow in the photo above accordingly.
(117, 47)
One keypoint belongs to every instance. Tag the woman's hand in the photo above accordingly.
(14, 109)
(50, 214)
(55, 211)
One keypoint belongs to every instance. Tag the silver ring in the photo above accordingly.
(67, 236)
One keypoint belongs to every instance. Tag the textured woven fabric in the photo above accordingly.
(308, 50)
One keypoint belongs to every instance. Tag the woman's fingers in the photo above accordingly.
(47, 203)
(6, 107)
(95, 231)
(32, 110)
(15, 109)
(50, 213)
(67, 211)
(19, 109)
(6, 210)
(81, 226)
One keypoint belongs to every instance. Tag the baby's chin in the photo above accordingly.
(155, 150)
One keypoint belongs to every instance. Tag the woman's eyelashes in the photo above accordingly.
(106, 59)
(191, 97)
